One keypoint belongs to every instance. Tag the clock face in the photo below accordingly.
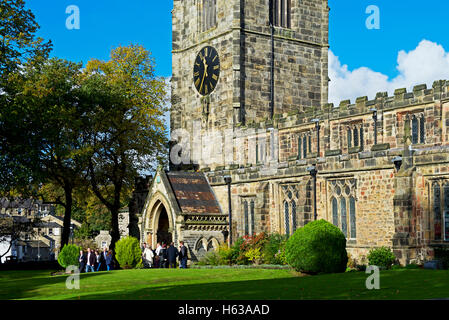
(206, 70)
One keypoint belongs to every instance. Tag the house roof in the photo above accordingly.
(193, 192)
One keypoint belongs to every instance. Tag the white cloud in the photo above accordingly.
(426, 63)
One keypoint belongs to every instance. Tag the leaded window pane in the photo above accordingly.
(245, 211)
(446, 211)
(252, 216)
(349, 138)
(304, 147)
(286, 218)
(356, 137)
(414, 130)
(362, 143)
(421, 130)
(299, 148)
(344, 227)
(352, 217)
(437, 210)
(294, 225)
(310, 143)
(335, 212)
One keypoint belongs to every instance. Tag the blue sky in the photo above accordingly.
(361, 60)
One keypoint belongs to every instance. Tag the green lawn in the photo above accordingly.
(224, 284)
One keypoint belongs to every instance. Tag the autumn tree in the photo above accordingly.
(43, 132)
(127, 133)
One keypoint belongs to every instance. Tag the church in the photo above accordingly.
(256, 147)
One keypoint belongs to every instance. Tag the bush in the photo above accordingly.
(318, 247)
(69, 255)
(442, 254)
(225, 254)
(128, 252)
(254, 255)
(382, 257)
(211, 258)
(274, 249)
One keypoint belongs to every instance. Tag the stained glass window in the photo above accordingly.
(344, 227)
(437, 210)
(286, 218)
(352, 218)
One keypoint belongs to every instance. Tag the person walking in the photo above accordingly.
(172, 253)
(109, 261)
(97, 260)
(147, 256)
(182, 255)
(82, 261)
(163, 256)
(157, 258)
(103, 254)
(90, 260)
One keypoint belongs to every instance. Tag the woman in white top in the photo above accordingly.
(147, 257)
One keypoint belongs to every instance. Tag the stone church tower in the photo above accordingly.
(268, 63)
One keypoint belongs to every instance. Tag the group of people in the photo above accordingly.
(92, 261)
(164, 256)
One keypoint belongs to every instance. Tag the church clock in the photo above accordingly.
(206, 70)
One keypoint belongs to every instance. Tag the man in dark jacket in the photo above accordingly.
(163, 256)
(90, 260)
(172, 253)
(182, 255)
(82, 261)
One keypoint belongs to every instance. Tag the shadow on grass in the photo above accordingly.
(23, 284)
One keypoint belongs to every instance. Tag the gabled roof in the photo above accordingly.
(193, 193)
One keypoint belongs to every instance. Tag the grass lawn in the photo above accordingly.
(192, 284)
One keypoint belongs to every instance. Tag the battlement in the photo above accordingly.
(401, 98)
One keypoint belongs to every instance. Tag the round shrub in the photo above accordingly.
(382, 257)
(69, 255)
(128, 252)
(318, 247)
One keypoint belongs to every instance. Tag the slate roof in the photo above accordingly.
(193, 193)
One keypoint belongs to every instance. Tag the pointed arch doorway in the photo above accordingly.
(159, 224)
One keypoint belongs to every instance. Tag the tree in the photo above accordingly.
(42, 134)
(18, 42)
(127, 133)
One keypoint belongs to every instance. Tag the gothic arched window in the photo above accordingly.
(299, 148)
(304, 146)
(342, 205)
(349, 138)
(362, 144)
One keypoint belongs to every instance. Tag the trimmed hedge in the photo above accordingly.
(128, 252)
(69, 255)
(318, 247)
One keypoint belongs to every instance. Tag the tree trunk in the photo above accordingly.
(115, 231)
(67, 216)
